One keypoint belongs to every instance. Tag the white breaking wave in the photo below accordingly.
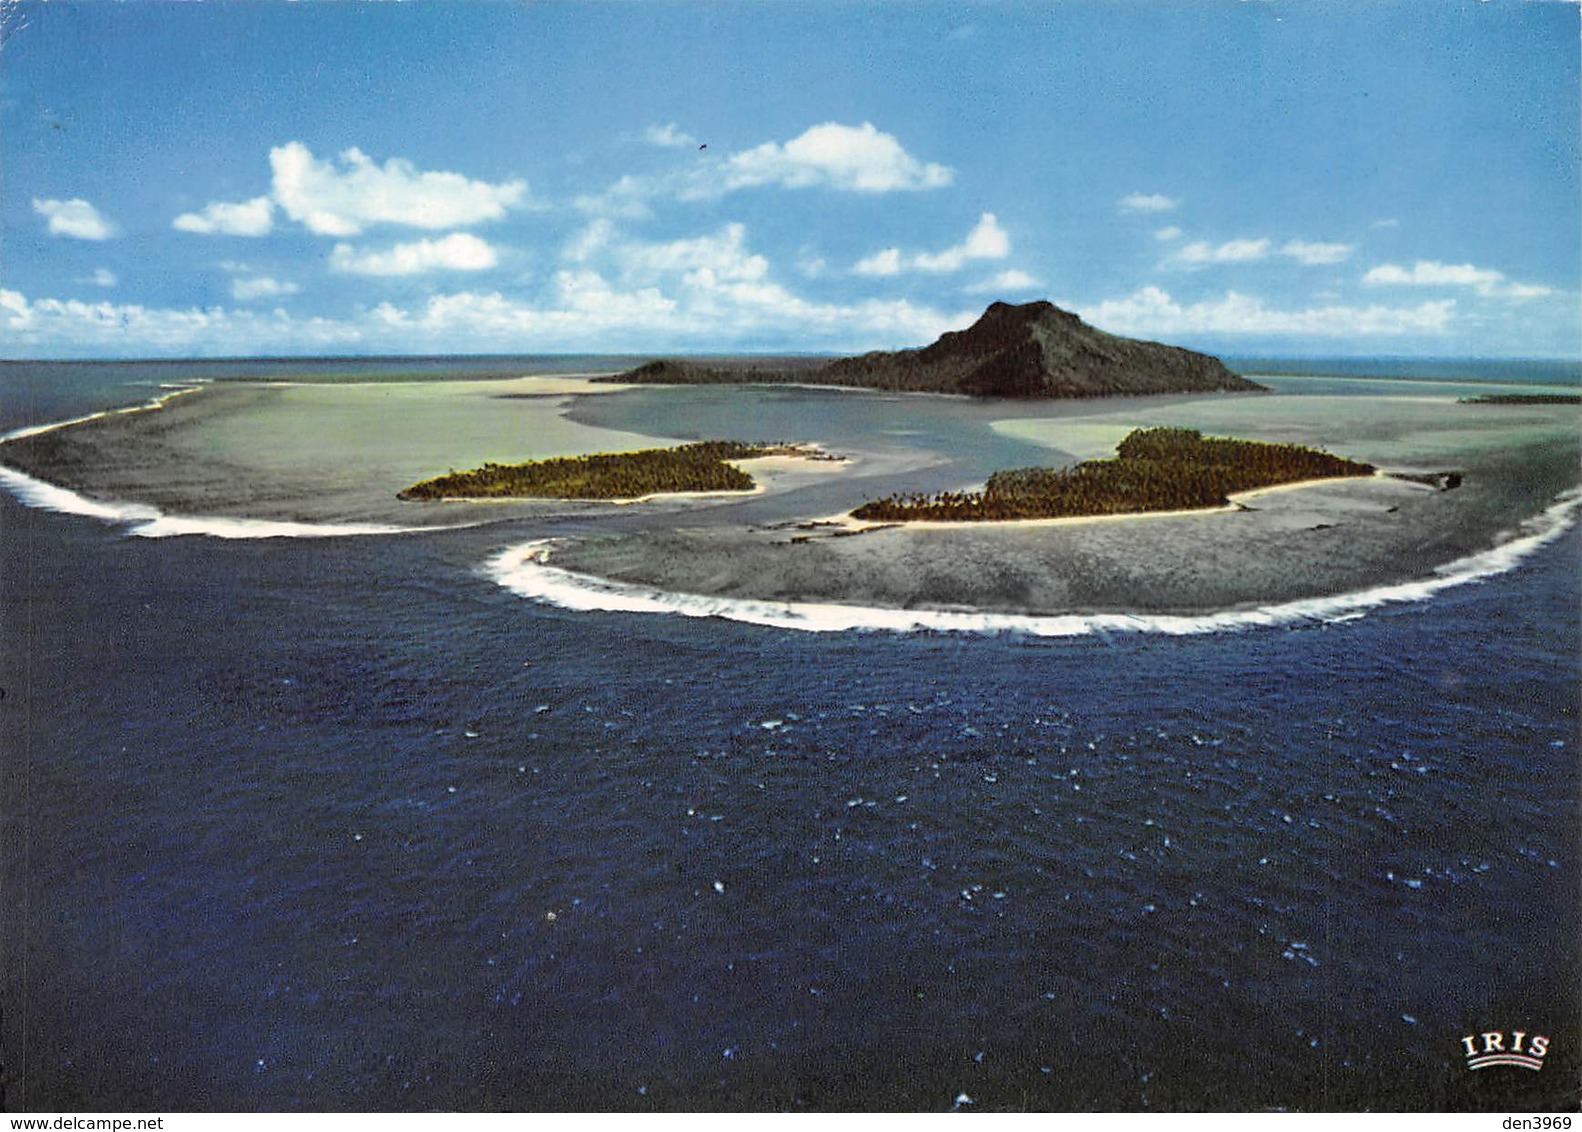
(157, 403)
(147, 521)
(525, 570)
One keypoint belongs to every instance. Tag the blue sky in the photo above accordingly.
(208, 179)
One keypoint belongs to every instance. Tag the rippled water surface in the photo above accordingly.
(340, 823)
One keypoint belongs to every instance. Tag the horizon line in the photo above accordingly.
(651, 354)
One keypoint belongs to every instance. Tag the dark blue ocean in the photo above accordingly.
(342, 824)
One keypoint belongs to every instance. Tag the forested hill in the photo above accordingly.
(1028, 350)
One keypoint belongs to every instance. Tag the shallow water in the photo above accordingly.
(341, 823)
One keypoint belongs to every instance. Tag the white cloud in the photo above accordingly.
(1389, 222)
(702, 260)
(1152, 312)
(861, 159)
(102, 277)
(669, 136)
(811, 264)
(1431, 273)
(594, 239)
(623, 200)
(261, 287)
(1524, 291)
(1004, 283)
(1146, 202)
(53, 328)
(885, 263)
(1428, 273)
(1168, 233)
(1314, 254)
(74, 218)
(342, 201)
(1200, 253)
(709, 292)
(254, 217)
(987, 240)
(584, 309)
(460, 251)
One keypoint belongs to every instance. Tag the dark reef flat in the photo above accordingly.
(1284, 545)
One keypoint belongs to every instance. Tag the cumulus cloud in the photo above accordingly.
(708, 292)
(1168, 233)
(1431, 273)
(1315, 254)
(344, 199)
(625, 200)
(56, 328)
(76, 219)
(260, 287)
(1146, 202)
(1199, 253)
(885, 263)
(460, 251)
(254, 217)
(1428, 273)
(1005, 282)
(669, 136)
(860, 159)
(102, 277)
(1151, 311)
(857, 159)
(720, 256)
(987, 240)
(586, 310)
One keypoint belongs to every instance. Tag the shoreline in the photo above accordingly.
(527, 570)
(1235, 505)
(794, 458)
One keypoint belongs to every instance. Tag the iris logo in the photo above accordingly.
(1499, 1048)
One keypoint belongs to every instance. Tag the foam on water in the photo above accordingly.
(525, 570)
(147, 521)
(173, 391)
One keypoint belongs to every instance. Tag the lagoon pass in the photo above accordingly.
(1214, 810)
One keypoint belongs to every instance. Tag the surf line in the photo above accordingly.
(145, 407)
(525, 570)
(147, 521)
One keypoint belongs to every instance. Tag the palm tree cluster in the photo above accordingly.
(606, 475)
(1157, 469)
